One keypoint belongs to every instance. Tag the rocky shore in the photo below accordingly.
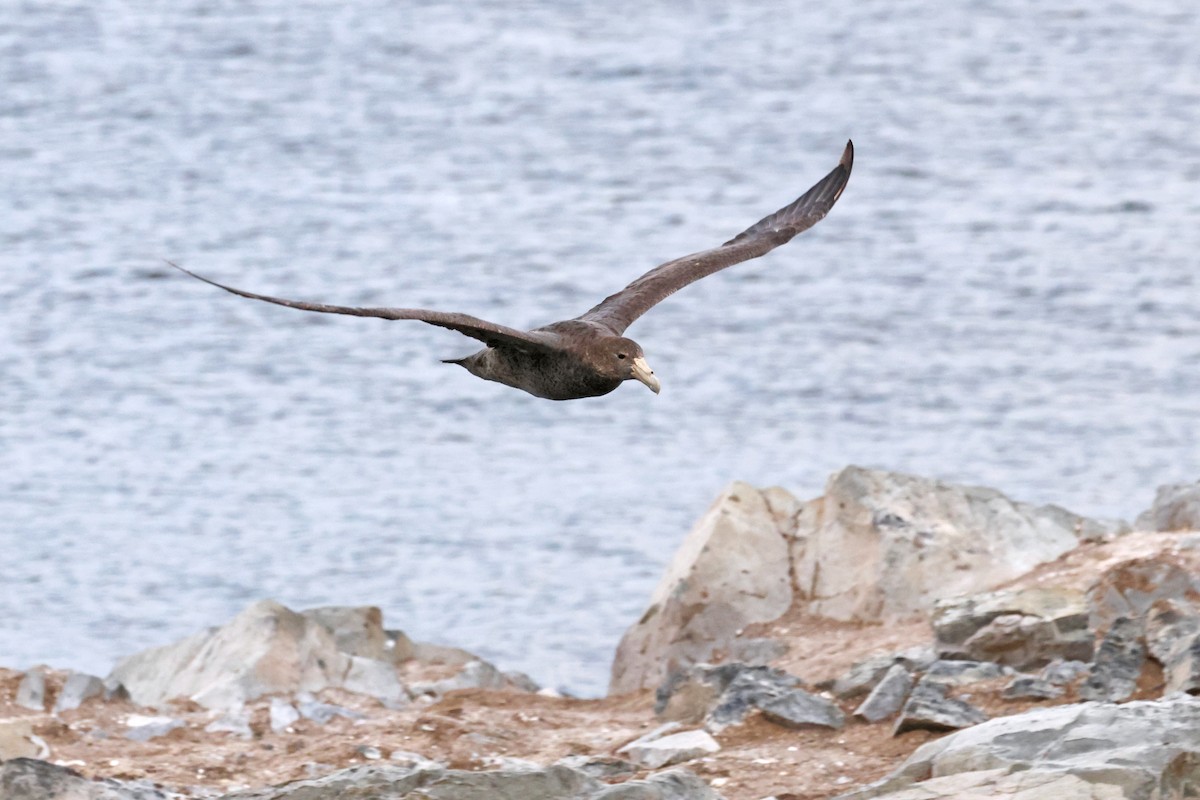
(895, 638)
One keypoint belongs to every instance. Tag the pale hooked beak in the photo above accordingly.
(642, 371)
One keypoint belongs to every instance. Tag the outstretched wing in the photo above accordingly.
(487, 332)
(618, 311)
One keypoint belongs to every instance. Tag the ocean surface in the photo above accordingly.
(1005, 295)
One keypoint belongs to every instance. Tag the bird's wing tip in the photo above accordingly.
(848, 155)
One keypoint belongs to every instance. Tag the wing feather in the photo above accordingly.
(487, 332)
(618, 311)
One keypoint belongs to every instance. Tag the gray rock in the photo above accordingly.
(671, 784)
(733, 569)
(31, 691)
(356, 630)
(1176, 508)
(31, 779)
(888, 696)
(282, 714)
(881, 546)
(477, 674)
(143, 729)
(798, 709)
(745, 689)
(411, 760)
(724, 695)
(265, 649)
(320, 713)
(1138, 750)
(1025, 628)
(930, 708)
(377, 679)
(600, 767)
(1173, 638)
(1118, 663)
(863, 676)
(1062, 673)
(78, 688)
(236, 721)
(1130, 588)
(390, 782)
(674, 748)
(961, 673)
(1031, 688)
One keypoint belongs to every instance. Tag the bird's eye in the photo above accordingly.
(620, 355)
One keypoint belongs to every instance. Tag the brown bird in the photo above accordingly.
(588, 356)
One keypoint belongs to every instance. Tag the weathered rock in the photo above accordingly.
(883, 546)
(601, 767)
(267, 648)
(78, 688)
(312, 708)
(671, 749)
(1173, 638)
(31, 779)
(863, 676)
(1062, 673)
(1118, 663)
(1139, 750)
(282, 715)
(930, 708)
(31, 691)
(960, 673)
(745, 689)
(723, 695)
(1030, 687)
(235, 721)
(1131, 587)
(799, 709)
(888, 696)
(17, 740)
(377, 679)
(389, 782)
(143, 729)
(411, 760)
(731, 570)
(356, 630)
(1176, 508)
(671, 784)
(1025, 628)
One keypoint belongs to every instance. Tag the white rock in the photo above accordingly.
(671, 749)
(882, 546)
(283, 714)
(267, 648)
(731, 570)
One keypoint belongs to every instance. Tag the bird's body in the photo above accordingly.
(589, 356)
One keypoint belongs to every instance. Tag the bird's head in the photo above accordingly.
(623, 359)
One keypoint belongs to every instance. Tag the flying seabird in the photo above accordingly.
(588, 356)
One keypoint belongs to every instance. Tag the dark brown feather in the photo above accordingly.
(488, 332)
(617, 312)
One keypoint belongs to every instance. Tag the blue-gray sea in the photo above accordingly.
(1005, 295)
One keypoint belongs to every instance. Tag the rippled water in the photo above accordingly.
(1006, 294)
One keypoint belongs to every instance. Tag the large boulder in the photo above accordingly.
(1022, 628)
(730, 571)
(1176, 508)
(267, 648)
(882, 546)
(1141, 751)
(877, 547)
